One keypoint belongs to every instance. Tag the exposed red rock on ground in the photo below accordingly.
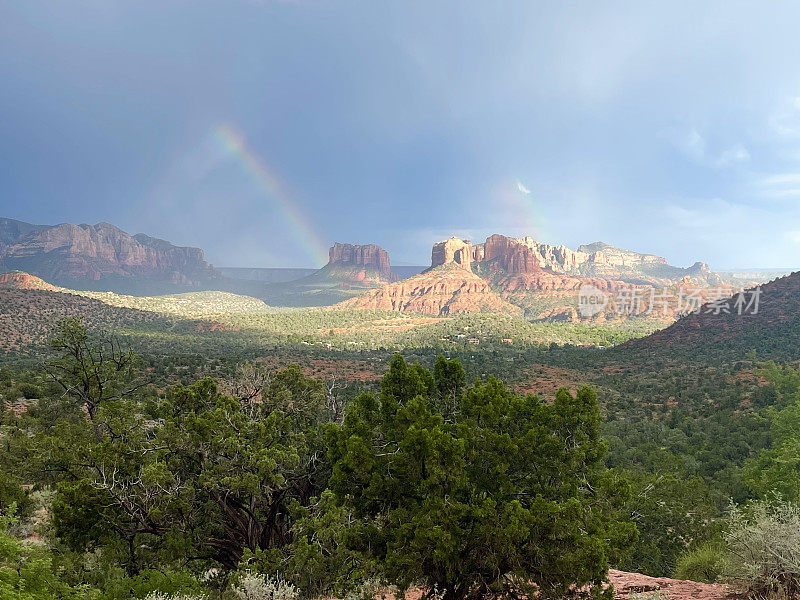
(626, 584)
(633, 584)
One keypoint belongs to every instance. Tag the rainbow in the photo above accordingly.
(310, 241)
(524, 217)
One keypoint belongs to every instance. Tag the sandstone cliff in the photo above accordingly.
(351, 269)
(609, 261)
(73, 255)
(513, 265)
(371, 257)
(445, 289)
(509, 255)
(500, 275)
(557, 258)
(454, 250)
(599, 260)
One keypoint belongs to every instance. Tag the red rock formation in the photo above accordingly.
(369, 255)
(627, 585)
(557, 258)
(454, 250)
(447, 289)
(70, 253)
(513, 266)
(548, 281)
(510, 255)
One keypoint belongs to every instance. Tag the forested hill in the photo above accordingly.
(718, 332)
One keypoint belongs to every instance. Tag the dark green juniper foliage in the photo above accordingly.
(203, 477)
(504, 495)
(469, 491)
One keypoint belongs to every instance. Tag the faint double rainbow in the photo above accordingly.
(519, 210)
(268, 183)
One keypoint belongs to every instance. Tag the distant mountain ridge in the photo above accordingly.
(543, 280)
(94, 255)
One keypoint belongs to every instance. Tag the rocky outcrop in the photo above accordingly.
(351, 269)
(19, 280)
(635, 585)
(71, 254)
(597, 260)
(609, 261)
(369, 255)
(513, 266)
(444, 290)
(454, 250)
(604, 254)
(496, 276)
(557, 258)
(547, 281)
(509, 255)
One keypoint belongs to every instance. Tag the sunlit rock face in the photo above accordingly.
(443, 290)
(454, 250)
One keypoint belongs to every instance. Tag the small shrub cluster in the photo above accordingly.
(707, 563)
(255, 587)
(764, 548)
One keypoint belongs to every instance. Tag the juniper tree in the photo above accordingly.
(507, 497)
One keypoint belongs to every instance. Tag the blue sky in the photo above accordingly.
(671, 128)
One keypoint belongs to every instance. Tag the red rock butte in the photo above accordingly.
(368, 255)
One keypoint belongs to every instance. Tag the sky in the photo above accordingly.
(263, 131)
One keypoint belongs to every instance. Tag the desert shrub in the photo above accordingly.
(153, 584)
(672, 514)
(763, 541)
(370, 589)
(706, 562)
(654, 595)
(255, 587)
(12, 492)
(26, 571)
